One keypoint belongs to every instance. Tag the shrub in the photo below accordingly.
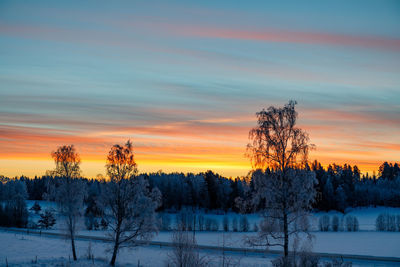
(225, 223)
(184, 251)
(234, 224)
(184, 219)
(387, 222)
(335, 223)
(104, 224)
(208, 223)
(391, 223)
(214, 225)
(324, 223)
(36, 207)
(255, 228)
(301, 259)
(244, 224)
(380, 223)
(47, 220)
(351, 223)
(165, 222)
(200, 220)
(90, 222)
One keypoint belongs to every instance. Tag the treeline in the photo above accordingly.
(339, 187)
(13, 211)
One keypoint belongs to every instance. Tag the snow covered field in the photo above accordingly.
(29, 250)
(365, 215)
(22, 249)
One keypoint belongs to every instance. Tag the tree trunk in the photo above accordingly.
(73, 247)
(116, 246)
(114, 256)
(285, 231)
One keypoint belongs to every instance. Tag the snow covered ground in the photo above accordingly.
(29, 250)
(23, 249)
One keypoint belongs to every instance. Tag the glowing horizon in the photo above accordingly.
(184, 80)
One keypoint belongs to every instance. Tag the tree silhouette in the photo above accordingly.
(288, 190)
(69, 194)
(129, 207)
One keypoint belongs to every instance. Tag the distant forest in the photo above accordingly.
(339, 187)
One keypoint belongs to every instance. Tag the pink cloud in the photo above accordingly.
(284, 36)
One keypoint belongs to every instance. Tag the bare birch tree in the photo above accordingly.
(288, 189)
(69, 194)
(185, 252)
(129, 207)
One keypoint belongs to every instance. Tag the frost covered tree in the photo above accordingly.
(70, 192)
(36, 207)
(287, 187)
(47, 220)
(184, 252)
(129, 207)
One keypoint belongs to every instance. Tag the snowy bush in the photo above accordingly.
(208, 224)
(387, 222)
(165, 222)
(391, 223)
(306, 259)
(36, 208)
(301, 259)
(335, 223)
(103, 224)
(184, 219)
(234, 224)
(255, 228)
(91, 223)
(214, 225)
(324, 223)
(211, 224)
(184, 252)
(200, 221)
(351, 223)
(225, 223)
(336, 263)
(47, 220)
(244, 224)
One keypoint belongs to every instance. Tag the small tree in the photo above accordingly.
(200, 222)
(47, 220)
(70, 192)
(255, 228)
(351, 223)
(235, 224)
(36, 207)
(244, 224)
(225, 223)
(165, 222)
(208, 224)
(324, 223)
(288, 189)
(335, 223)
(129, 207)
(184, 252)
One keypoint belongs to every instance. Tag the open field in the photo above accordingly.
(21, 248)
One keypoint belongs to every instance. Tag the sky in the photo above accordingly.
(184, 79)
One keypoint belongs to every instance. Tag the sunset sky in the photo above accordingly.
(184, 79)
